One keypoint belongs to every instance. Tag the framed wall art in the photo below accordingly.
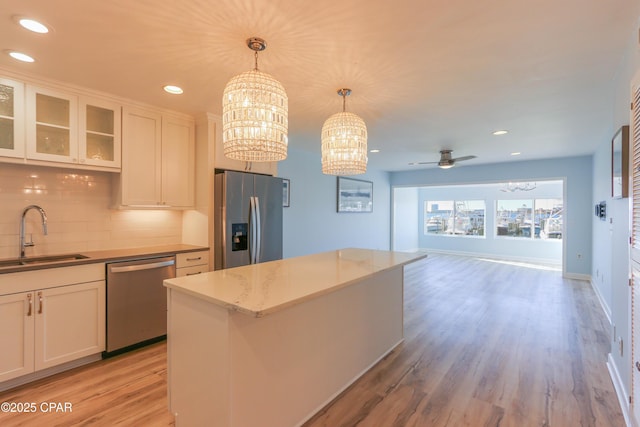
(620, 163)
(354, 195)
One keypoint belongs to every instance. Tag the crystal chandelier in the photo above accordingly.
(344, 142)
(255, 114)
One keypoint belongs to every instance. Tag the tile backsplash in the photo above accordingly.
(77, 204)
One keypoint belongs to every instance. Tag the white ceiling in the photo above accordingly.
(425, 74)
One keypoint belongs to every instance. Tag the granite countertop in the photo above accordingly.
(100, 256)
(260, 289)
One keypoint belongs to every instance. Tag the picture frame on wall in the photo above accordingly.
(286, 195)
(354, 195)
(620, 163)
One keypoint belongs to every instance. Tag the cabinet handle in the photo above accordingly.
(40, 302)
(30, 305)
(194, 259)
(193, 274)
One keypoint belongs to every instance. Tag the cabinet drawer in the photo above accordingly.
(189, 271)
(192, 258)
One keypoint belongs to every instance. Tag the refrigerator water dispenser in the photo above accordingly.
(239, 239)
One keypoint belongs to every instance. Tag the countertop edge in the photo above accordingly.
(294, 301)
(109, 255)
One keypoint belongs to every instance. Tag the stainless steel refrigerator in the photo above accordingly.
(247, 219)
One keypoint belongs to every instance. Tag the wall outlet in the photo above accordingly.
(621, 346)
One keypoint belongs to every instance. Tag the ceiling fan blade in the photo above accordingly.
(425, 163)
(459, 159)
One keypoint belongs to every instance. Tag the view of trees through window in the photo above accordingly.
(526, 218)
(454, 217)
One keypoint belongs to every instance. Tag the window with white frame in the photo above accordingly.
(529, 218)
(454, 217)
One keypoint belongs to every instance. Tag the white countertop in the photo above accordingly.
(260, 289)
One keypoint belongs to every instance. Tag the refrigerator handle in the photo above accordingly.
(252, 230)
(258, 230)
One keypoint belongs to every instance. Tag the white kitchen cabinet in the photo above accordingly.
(100, 129)
(70, 323)
(158, 159)
(190, 263)
(42, 328)
(52, 123)
(65, 128)
(16, 335)
(12, 118)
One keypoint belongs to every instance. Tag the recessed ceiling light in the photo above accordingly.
(20, 56)
(175, 90)
(33, 25)
(500, 132)
(375, 150)
(515, 153)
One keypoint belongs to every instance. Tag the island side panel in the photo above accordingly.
(198, 361)
(288, 365)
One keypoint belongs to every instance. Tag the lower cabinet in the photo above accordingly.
(190, 263)
(48, 327)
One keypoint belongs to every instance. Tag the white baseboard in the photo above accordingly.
(603, 303)
(623, 397)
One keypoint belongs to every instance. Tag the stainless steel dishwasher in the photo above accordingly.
(137, 302)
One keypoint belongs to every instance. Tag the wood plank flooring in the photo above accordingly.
(487, 343)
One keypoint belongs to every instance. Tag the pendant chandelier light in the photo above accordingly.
(344, 142)
(255, 114)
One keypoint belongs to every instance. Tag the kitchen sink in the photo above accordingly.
(40, 260)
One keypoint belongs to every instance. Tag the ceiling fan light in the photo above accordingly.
(445, 165)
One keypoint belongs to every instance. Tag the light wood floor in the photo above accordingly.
(486, 344)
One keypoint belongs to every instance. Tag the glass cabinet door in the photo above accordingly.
(100, 133)
(52, 129)
(11, 118)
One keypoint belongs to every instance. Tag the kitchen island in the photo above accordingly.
(270, 344)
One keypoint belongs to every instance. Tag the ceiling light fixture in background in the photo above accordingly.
(174, 90)
(500, 132)
(255, 114)
(344, 142)
(23, 57)
(31, 25)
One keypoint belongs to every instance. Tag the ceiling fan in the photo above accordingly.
(446, 161)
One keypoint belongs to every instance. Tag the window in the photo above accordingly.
(454, 217)
(539, 218)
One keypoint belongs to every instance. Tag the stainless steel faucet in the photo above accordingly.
(30, 243)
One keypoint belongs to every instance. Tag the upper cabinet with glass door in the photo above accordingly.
(69, 129)
(100, 133)
(52, 128)
(11, 118)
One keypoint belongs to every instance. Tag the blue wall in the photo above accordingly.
(311, 223)
(576, 172)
